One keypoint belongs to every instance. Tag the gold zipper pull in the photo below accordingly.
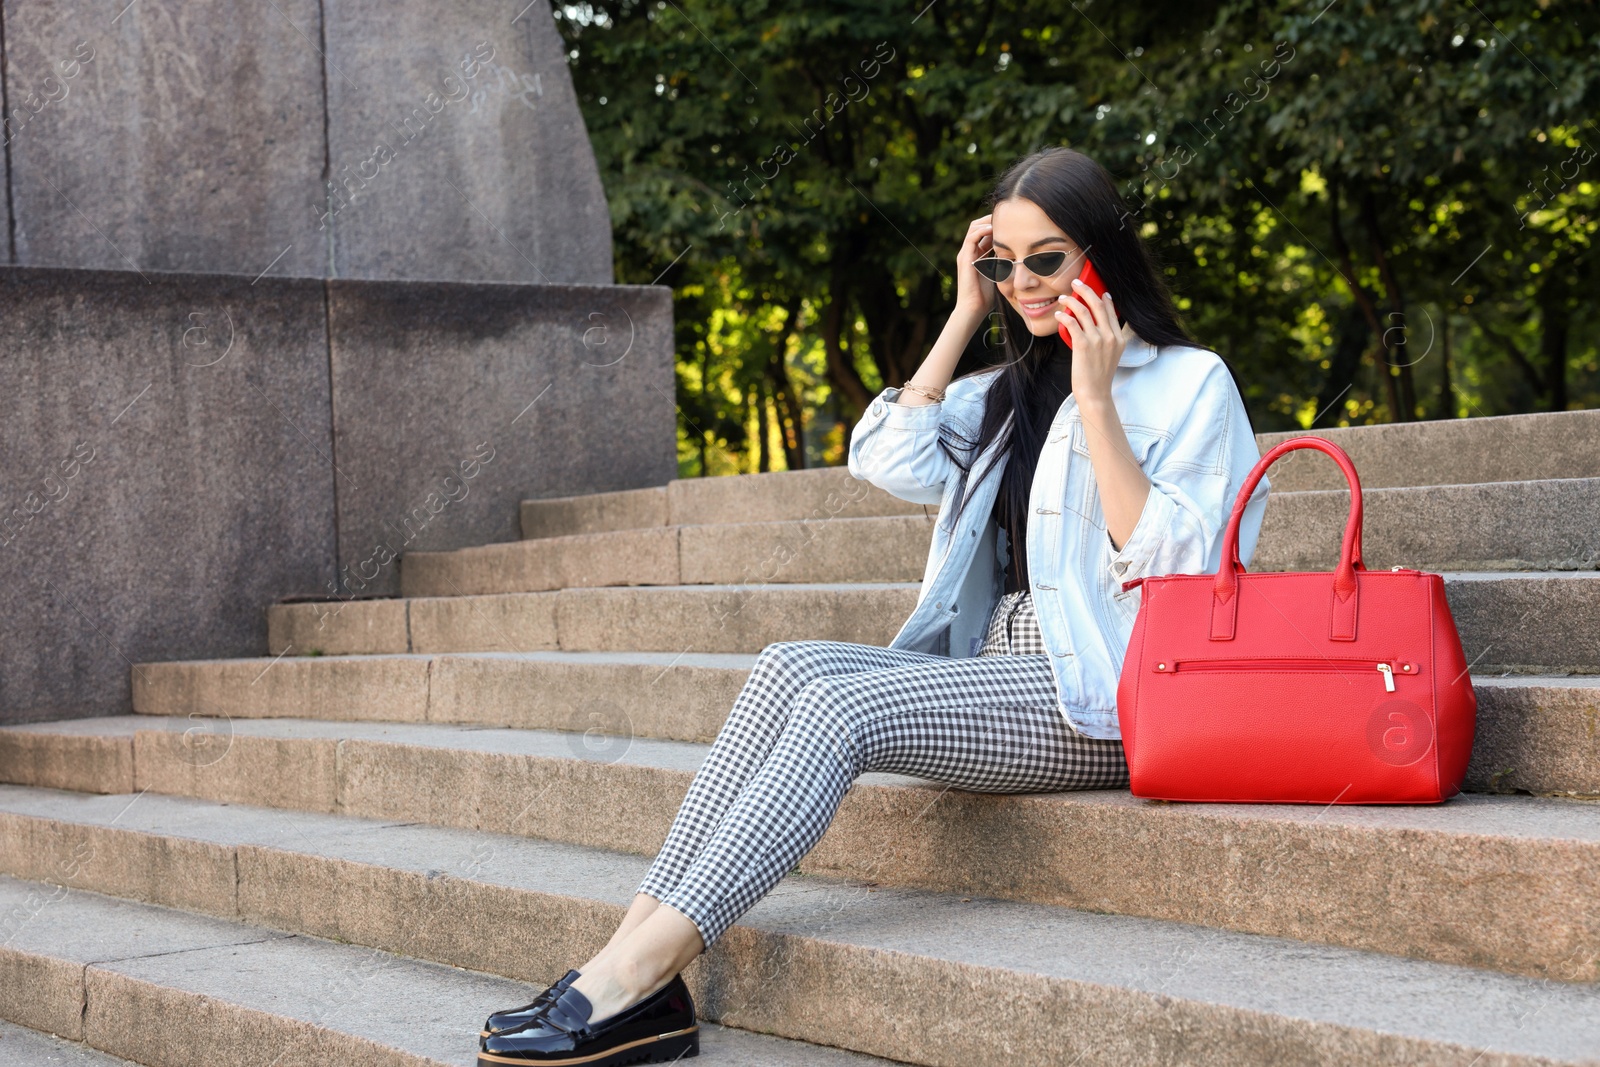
(1388, 677)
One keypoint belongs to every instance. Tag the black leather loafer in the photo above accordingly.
(512, 1018)
(659, 1029)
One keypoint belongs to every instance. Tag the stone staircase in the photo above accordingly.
(408, 811)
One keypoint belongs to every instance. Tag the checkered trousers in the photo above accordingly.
(814, 715)
(1013, 628)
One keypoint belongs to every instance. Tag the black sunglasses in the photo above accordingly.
(1044, 264)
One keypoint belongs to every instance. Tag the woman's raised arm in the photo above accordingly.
(895, 444)
(974, 295)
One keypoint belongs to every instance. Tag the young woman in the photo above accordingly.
(1060, 473)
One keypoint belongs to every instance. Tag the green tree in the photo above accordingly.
(1317, 183)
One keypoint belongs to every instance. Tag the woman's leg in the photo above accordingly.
(987, 724)
(757, 719)
(638, 911)
(744, 742)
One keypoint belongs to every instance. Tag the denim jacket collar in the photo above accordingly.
(1137, 352)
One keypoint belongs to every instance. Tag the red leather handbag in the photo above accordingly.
(1299, 687)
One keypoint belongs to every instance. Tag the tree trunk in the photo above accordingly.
(899, 334)
(1363, 299)
(1348, 348)
(700, 433)
(1519, 359)
(791, 416)
(1446, 408)
(1397, 326)
(842, 375)
(1555, 326)
(763, 428)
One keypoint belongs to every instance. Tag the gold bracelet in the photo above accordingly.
(929, 393)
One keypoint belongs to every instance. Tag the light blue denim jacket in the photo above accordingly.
(1187, 426)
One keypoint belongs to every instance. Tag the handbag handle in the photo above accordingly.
(1225, 602)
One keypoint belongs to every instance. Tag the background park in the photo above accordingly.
(1377, 212)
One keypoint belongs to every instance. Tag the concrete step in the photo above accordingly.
(1484, 526)
(21, 1047)
(1535, 732)
(1498, 448)
(922, 977)
(893, 549)
(1490, 881)
(823, 493)
(675, 696)
(1547, 525)
(1528, 622)
(170, 988)
(699, 618)
(1502, 448)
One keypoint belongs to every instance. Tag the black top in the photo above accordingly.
(1055, 384)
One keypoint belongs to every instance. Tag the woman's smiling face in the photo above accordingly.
(1021, 228)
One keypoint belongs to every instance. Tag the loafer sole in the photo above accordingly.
(663, 1048)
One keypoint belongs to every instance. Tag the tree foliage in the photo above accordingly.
(1378, 212)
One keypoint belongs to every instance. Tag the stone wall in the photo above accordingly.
(180, 450)
(453, 403)
(456, 147)
(383, 139)
(295, 286)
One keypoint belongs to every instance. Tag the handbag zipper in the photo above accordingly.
(1386, 667)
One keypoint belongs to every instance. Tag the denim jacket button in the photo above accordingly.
(1121, 566)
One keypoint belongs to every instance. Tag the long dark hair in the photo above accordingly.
(1078, 195)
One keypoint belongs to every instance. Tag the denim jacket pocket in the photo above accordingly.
(1083, 487)
(1140, 438)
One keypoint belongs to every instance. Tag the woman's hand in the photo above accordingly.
(1097, 341)
(973, 290)
(972, 305)
(1097, 344)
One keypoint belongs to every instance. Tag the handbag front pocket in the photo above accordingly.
(1293, 665)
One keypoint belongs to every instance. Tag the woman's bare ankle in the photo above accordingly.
(596, 962)
(640, 963)
(638, 911)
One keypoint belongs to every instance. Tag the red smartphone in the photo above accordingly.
(1090, 277)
